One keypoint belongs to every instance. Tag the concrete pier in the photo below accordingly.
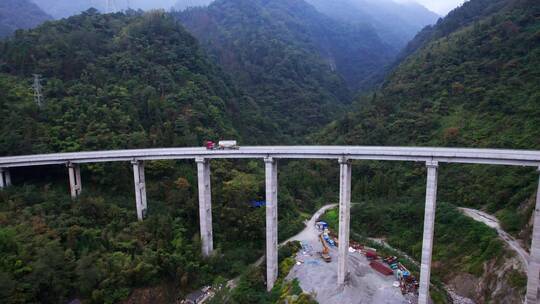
(3, 178)
(7, 177)
(140, 188)
(205, 205)
(75, 184)
(345, 169)
(533, 283)
(271, 222)
(429, 229)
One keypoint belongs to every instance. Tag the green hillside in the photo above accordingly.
(268, 47)
(115, 81)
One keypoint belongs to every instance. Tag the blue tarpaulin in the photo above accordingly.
(257, 204)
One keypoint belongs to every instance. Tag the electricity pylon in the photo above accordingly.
(38, 94)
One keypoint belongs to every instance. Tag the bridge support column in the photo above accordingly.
(345, 169)
(5, 178)
(75, 185)
(271, 222)
(533, 282)
(205, 205)
(429, 229)
(140, 189)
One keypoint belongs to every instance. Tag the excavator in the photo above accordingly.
(325, 252)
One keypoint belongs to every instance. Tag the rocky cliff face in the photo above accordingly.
(502, 281)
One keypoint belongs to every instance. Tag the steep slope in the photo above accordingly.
(19, 14)
(268, 47)
(461, 89)
(396, 23)
(116, 82)
(470, 12)
(475, 86)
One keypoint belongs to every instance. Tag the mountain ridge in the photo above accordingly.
(20, 14)
(395, 23)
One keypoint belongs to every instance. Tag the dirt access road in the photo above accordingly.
(493, 222)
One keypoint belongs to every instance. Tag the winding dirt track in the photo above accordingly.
(494, 223)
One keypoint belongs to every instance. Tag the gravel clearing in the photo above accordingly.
(364, 285)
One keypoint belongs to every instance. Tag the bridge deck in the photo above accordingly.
(448, 155)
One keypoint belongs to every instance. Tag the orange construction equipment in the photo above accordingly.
(325, 253)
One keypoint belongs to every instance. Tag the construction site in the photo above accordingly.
(371, 278)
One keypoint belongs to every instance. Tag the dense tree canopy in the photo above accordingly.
(116, 81)
(268, 47)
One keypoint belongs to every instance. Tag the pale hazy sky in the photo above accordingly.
(441, 7)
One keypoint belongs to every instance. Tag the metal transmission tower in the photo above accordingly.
(38, 94)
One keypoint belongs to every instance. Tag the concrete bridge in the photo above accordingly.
(432, 157)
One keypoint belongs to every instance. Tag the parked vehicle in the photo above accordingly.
(221, 145)
(325, 253)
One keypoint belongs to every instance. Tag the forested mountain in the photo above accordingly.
(19, 14)
(471, 11)
(396, 23)
(104, 90)
(472, 83)
(268, 47)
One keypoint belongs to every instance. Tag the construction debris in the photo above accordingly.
(380, 267)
